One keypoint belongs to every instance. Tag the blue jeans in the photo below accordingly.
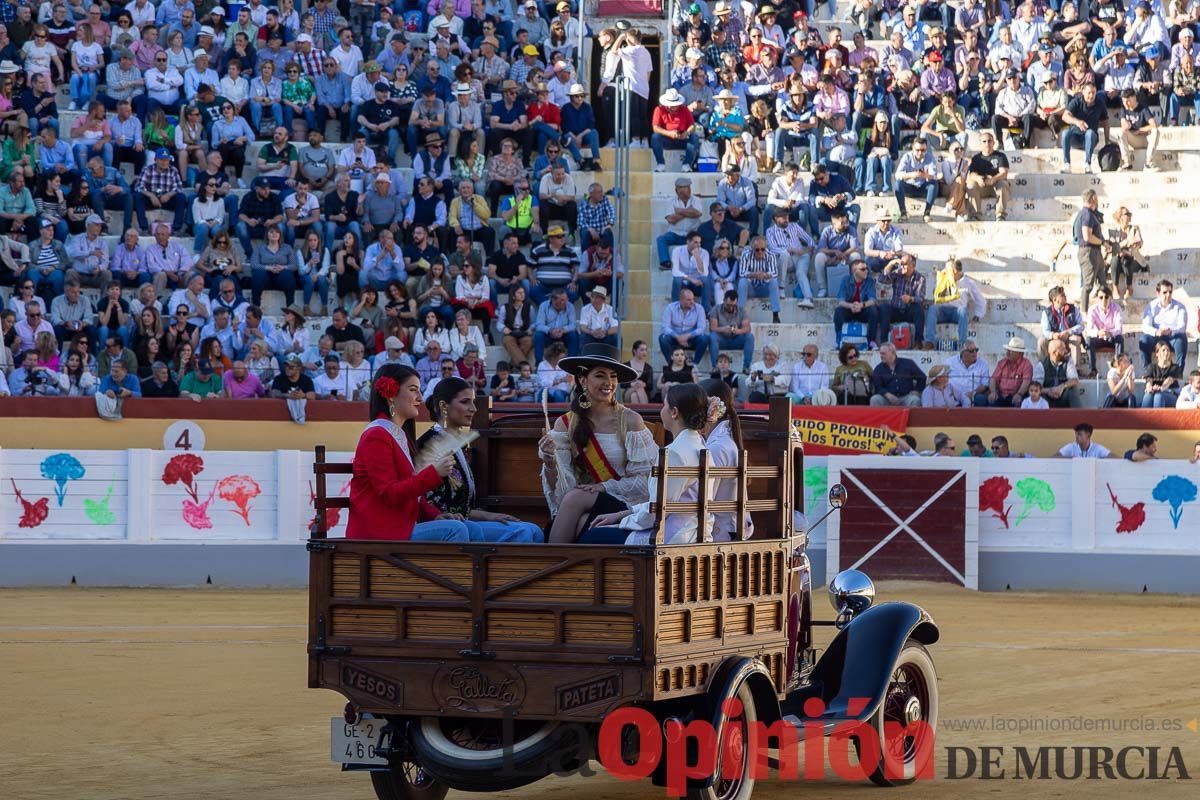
(870, 316)
(1175, 104)
(665, 243)
(1086, 139)
(747, 216)
(540, 293)
(945, 313)
(289, 113)
(85, 151)
(659, 143)
(283, 281)
(746, 287)
(703, 291)
(593, 141)
(318, 285)
(541, 339)
(1178, 342)
(245, 235)
(1164, 399)
(803, 213)
(928, 189)
(48, 286)
(415, 136)
(202, 232)
(520, 532)
(743, 341)
(544, 134)
(83, 89)
(334, 231)
(441, 530)
(866, 174)
(785, 140)
(697, 344)
(256, 112)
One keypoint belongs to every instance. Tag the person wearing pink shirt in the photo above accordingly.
(241, 383)
(1105, 330)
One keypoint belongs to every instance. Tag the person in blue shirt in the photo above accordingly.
(119, 384)
(333, 96)
(55, 155)
(685, 325)
(857, 303)
(579, 128)
(108, 190)
(740, 198)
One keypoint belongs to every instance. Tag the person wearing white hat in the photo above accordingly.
(579, 128)
(199, 72)
(1010, 380)
(597, 320)
(673, 128)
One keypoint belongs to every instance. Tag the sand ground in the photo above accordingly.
(201, 694)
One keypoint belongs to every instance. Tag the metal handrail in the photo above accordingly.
(621, 170)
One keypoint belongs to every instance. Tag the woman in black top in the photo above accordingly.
(51, 204)
(1162, 379)
(79, 206)
(640, 390)
(347, 263)
(516, 326)
(678, 371)
(341, 211)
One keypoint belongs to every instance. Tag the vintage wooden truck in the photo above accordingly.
(484, 667)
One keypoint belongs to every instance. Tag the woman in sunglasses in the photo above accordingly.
(230, 136)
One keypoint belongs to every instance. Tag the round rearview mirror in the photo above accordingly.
(851, 592)
(837, 495)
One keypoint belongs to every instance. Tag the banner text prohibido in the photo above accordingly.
(848, 430)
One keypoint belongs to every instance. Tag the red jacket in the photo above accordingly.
(386, 498)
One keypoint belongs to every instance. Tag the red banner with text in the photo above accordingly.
(832, 430)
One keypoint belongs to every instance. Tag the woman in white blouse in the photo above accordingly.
(431, 329)
(684, 415)
(473, 294)
(462, 334)
(723, 439)
(940, 392)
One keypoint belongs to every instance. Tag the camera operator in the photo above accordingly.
(31, 379)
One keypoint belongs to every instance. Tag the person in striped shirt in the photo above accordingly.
(791, 244)
(758, 272)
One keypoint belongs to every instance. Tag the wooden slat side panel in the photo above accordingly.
(530, 627)
(363, 623)
(504, 569)
(768, 617)
(614, 629)
(572, 584)
(346, 575)
(457, 568)
(705, 624)
(387, 581)
(737, 620)
(617, 584)
(443, 626)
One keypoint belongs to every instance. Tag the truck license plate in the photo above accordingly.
(355, 744)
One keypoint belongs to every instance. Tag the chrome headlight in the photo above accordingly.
(850, 592)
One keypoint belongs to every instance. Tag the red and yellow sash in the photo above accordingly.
(594, 460)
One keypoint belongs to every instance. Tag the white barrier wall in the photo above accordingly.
(1051, 504)
(155, 496)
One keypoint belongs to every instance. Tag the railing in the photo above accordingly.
(621, 194)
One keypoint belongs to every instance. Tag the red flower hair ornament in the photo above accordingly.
(387, 388)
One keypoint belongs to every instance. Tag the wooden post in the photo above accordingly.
(702, 497)
(318, 531)
(743, 488)
(480, 452)
(661, 497)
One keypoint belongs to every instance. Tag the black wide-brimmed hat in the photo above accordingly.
(595, 355)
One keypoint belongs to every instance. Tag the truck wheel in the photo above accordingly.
(735, 746)
(407, 781)
(911, 696)
(469, 754)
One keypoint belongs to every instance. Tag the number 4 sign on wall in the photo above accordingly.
(184, 435)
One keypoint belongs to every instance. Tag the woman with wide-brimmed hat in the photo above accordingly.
(597, 457)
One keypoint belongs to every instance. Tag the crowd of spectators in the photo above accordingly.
(447, 218)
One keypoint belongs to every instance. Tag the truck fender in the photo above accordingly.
(857, 665)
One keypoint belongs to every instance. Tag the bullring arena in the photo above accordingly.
(787, 185)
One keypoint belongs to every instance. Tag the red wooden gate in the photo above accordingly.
(909, 523)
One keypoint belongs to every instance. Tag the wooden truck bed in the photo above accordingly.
(565, 632)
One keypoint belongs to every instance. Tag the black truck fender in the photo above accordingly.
(852, 674)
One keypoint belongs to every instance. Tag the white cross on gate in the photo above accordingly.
(906, 524)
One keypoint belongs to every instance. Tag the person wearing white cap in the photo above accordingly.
(529, 19)
(464, 117)
(579, 128)
(199, 72)
(1011, 378)
(597, 321)
(673, 129)
(309, 56)
(89, 255)
(559, 85)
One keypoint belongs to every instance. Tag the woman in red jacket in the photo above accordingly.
(387, 495)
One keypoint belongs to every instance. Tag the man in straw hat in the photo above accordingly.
(1012, 376)
(674, 129)
(508, 120)
(597, 321)
(579, 128)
